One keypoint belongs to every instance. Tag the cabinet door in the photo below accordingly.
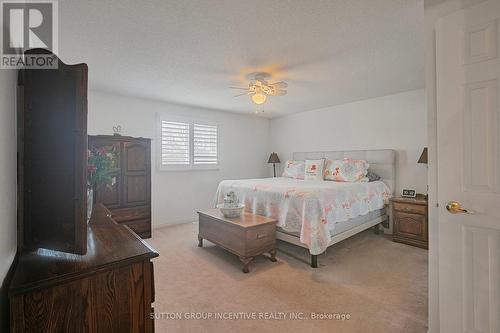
(410, 225)
(136, 171)
(52, 167)
(108, 194)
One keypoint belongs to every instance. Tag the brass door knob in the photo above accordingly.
(456, 208)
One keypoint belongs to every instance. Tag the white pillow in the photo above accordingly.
(314, 169)
(294, 169)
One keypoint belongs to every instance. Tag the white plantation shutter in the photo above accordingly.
(205, 144)
(175, 144)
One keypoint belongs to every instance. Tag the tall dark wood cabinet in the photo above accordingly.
(129, 196)
(52, 157)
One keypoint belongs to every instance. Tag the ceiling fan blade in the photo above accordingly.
(246, 93)
(278, 92)
(279, 85)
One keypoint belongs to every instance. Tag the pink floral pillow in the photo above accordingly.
(346, 170)
(294, 169)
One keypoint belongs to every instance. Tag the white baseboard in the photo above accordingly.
(158, 225)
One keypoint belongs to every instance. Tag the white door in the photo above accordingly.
(468, 150)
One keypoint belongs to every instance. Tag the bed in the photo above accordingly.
(318, 214)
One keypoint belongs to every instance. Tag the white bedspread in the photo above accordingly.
(310, 208)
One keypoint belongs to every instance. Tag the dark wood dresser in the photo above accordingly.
(410, 221)
(109, 289)
(129, 198)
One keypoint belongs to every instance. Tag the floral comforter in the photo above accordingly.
(310, 208)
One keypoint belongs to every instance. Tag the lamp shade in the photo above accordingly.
(273, 158)
(423, 157)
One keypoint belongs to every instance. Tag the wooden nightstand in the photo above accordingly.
(410, 221)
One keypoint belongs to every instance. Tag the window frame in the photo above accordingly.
(191, 166)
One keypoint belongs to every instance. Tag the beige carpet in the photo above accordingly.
(380, 284)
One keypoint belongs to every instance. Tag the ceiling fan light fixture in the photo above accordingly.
(259, 88)
(259, 98)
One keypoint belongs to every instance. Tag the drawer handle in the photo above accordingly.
(259, 236)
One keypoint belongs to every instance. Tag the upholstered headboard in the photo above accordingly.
(382, 162)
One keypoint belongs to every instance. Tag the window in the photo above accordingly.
(174, 143)
(204, 144)
(188, 145)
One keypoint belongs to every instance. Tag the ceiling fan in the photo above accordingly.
(259, 88)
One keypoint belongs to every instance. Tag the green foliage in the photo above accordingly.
(101, 165)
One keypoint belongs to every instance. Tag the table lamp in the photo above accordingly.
(273, 158)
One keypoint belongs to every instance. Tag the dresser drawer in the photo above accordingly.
(139, 226)
(410, 208)
(133, 213)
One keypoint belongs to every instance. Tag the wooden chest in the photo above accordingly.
(246, 236)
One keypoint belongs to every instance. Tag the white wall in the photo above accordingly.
(394, 122)
(8, 148)
(177, 195)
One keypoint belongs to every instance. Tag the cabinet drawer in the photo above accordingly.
(145, 235)
(410, 226)
(139, 226)
(410, 208)
(133, 213)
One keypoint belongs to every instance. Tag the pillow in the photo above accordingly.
(372, 176)
(294, 169)
(314, 169)
(346, 170)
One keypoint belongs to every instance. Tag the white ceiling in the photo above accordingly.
(190, 51)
